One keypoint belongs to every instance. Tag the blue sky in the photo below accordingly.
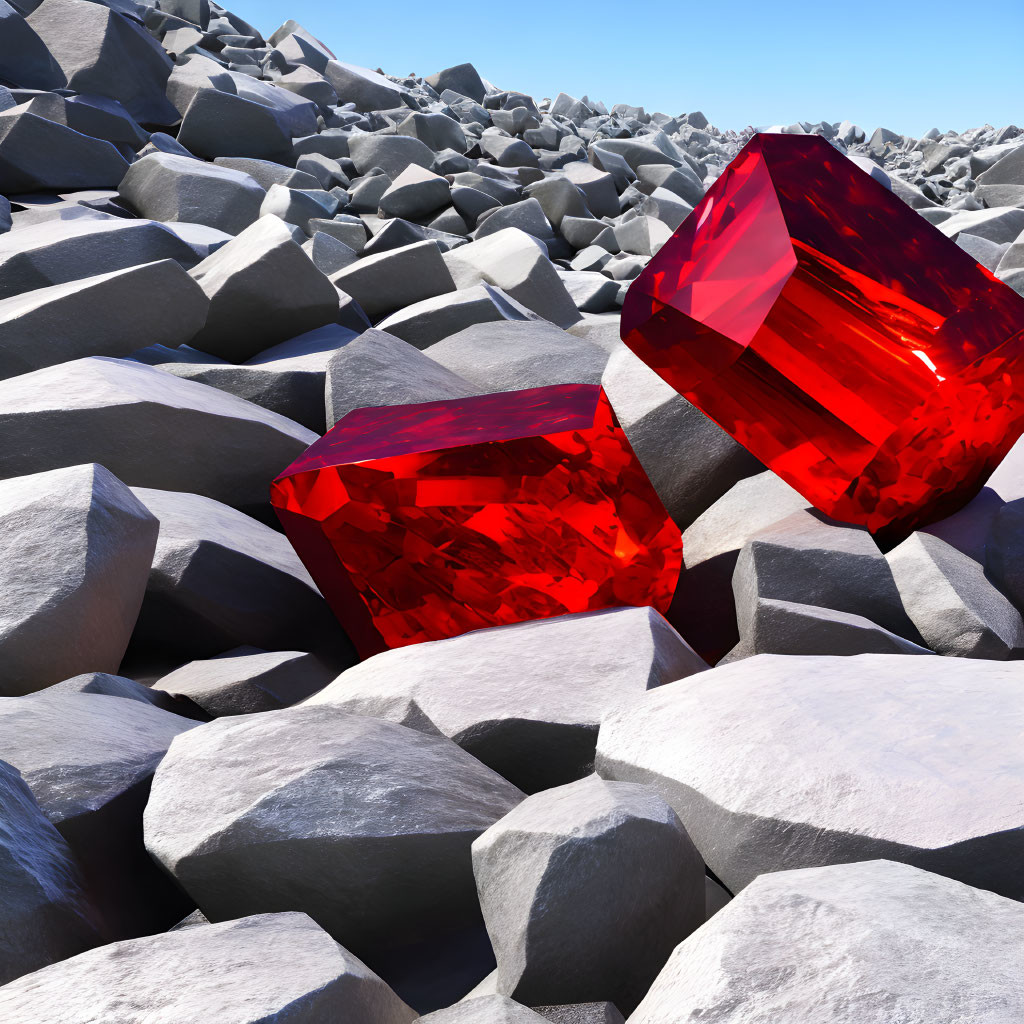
(908, 66)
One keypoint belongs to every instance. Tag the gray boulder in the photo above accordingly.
(23, 55)
(56, 252)
(328, 253)
(246, 680)
(581, 1013)
(88, 760)
(415, 192)
(390, 153)
(955, 608)
(689, 459)
(427, 322)
(867, 943)
(101, 316)
(586, 889)
(271, 967)
(263, 289)
(515, 262)
(95, 48)
(107, 685)
(486, 1009)
(379, 369)
(364, 88)
(363, 824)
(437, 131)
(47, 915)
(217, 123)
(221, 580)
(520, 723)
(266, 172)
(1003, 551)
(147, 427)
(462, 78)
(884, 756)
(37, 153)
(298, 207)
(396, 278)
(166, 187)
(75, 549)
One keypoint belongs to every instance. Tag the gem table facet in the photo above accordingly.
(845, 341)
(421, 522)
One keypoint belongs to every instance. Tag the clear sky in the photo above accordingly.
(908, 65)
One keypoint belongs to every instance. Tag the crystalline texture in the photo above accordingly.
(421, 522)
(840, 337)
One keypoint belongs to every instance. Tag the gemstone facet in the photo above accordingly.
(845, 341)
(421, 522)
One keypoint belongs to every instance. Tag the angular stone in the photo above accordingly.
(523, 505)
(462, 78)
(263, 289)
(77, 615)
(429, 321)
(267, 173)
(438, 131)
(867, 943)
(298, 207)
(581, 1013)
(219, 123)
(278, 967)
(299, 808)
(88, 760)
(147, 427)
(379, 369)
(527, 216)
(690, 460)
(416, 192)
(532, 733)
(102, 52)
(99, 316)
(107, 685)
(362, 87)
(36, 153)
(166, 187)
(397, 278)
(485, 1009)
(884, 756)
(515, 262)
(221, 580)
(955, 608)
(247, 680)
(748, 313)
(23, 55)
(47, 915)
(513, 354)
(329, 255)
(60, 251)
(586, 889)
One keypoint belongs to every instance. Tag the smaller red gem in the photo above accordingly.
(421, 522)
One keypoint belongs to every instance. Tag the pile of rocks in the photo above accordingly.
(213, 245)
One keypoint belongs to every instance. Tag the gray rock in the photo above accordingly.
(37, 153)
(986, 252)
(379, 369)
(5, 214)
(263, 289)
(394, 232)
(529, 730)
(715, 897)
(955, 608)
(76, 547)
(344, 227)
(166, 187)
(271, 967)
(1001, 225)
(365, 89)
(363, 823)
(507, 151)
(298, 207)
(266, 173)
(1008, 170)
(221, 580)
(471, 203)
(690, 460)
(437, 131)
(99, 315)
(146, 427)
(581, 1013)
(95, 47)
(328, 253)
(415, 192)
(60, 251)
(485, 1009)
(515, 262)
(88, 760)
(305, 82)
(219, 123)
(47, 915)
(597, 186)
(429, 321)
(247, 680)
(585, 890)
(23, 55)
(396, 278)
(559, 198)
(462, 78)
(527, 216)
(391, 153)
(1003, 551)
(591, 292)
(884, 756)
(680, 181)
(866, 943)
(107, 685)
(512, 354)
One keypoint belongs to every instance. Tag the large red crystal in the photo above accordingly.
(420, 522)
(844, 340)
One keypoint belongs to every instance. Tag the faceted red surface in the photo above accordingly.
(420, 522)
(844, 340)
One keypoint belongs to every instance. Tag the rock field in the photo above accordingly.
(776, 805)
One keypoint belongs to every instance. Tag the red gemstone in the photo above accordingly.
(420, 522)
(844, 340)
